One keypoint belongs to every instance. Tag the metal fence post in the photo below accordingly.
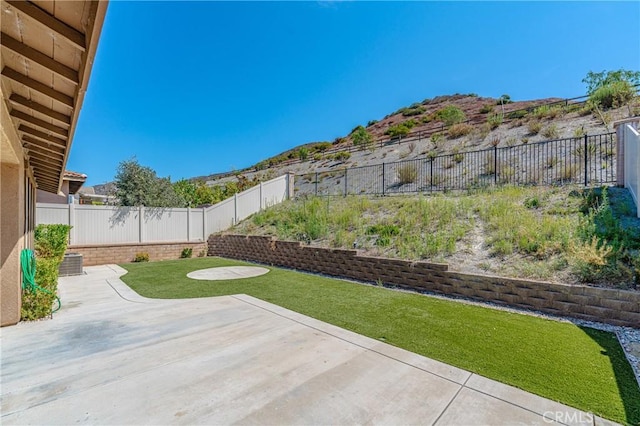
(383, 179)
(316, 184)
(586, 158)
(495, 165)
(431, 173)
(345, 181)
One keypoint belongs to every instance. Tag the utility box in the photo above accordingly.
(71, 265)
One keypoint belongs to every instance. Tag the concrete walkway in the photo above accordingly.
(112, 357)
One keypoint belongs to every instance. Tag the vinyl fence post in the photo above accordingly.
(141, 224)
(188, 223)
(586, 159)
(235, 208)
(72, 222)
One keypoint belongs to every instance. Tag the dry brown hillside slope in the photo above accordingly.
(487, 122)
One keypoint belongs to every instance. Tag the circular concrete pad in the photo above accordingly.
(227, 273)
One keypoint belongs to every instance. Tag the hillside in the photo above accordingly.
(487, 122)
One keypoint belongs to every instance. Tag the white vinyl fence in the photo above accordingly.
(121, 225)
(632, 162)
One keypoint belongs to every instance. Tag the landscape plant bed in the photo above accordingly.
(578, 366)
(566, 234)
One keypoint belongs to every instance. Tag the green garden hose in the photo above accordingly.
(28, 262)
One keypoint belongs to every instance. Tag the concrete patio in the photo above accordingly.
(110, 356)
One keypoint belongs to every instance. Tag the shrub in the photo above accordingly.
(486, 108)
(534, 127)
(321, 146)
(341, 156)
(400, 129)
(494, 120)
(371, 123)
(551, 132)
(589, 261)
(515, 115)
(361, 137)
(50, 245)
(303, 153)
(186, 253)
(436, 138)
(317, 156)
(141, 257)
(411, 111)
(458, 130)
(613, 95)
(450, 115)
(407, 173)
(511, 141)
(384, 233)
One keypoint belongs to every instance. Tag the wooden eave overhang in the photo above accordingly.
(47, 52)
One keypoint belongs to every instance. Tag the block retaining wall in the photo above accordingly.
(123, 253)
(612, 306)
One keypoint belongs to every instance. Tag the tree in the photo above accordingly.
(361, 137)
(611, 89)
(596, 80)
(138, 185)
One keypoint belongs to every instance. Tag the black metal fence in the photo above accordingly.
(588, 160)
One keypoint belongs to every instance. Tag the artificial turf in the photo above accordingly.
(578, 366)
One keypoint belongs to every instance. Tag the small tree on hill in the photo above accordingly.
(611, 89)
(361, 137)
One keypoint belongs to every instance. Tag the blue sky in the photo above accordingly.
(194, 88)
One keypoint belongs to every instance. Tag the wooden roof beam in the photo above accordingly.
(40, 123)
(20, 100)
(37, 86)
(42, 135)
(52, 163)
(22, 49)
(51, 22)
(42, 149)
(26, 139)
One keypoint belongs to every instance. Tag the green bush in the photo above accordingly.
(450, 115)
(303, 153)
(361, 137)
(514, 115)
(141, 257)
(50, 245)
(613, 95)
(494, 120)
(51, 241)
(186, 253)
(486, 108)
(400, 129)
(341, 156)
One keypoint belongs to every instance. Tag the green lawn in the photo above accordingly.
(581, 367)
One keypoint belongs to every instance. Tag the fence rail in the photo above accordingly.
(123, 225)
(589, 160)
